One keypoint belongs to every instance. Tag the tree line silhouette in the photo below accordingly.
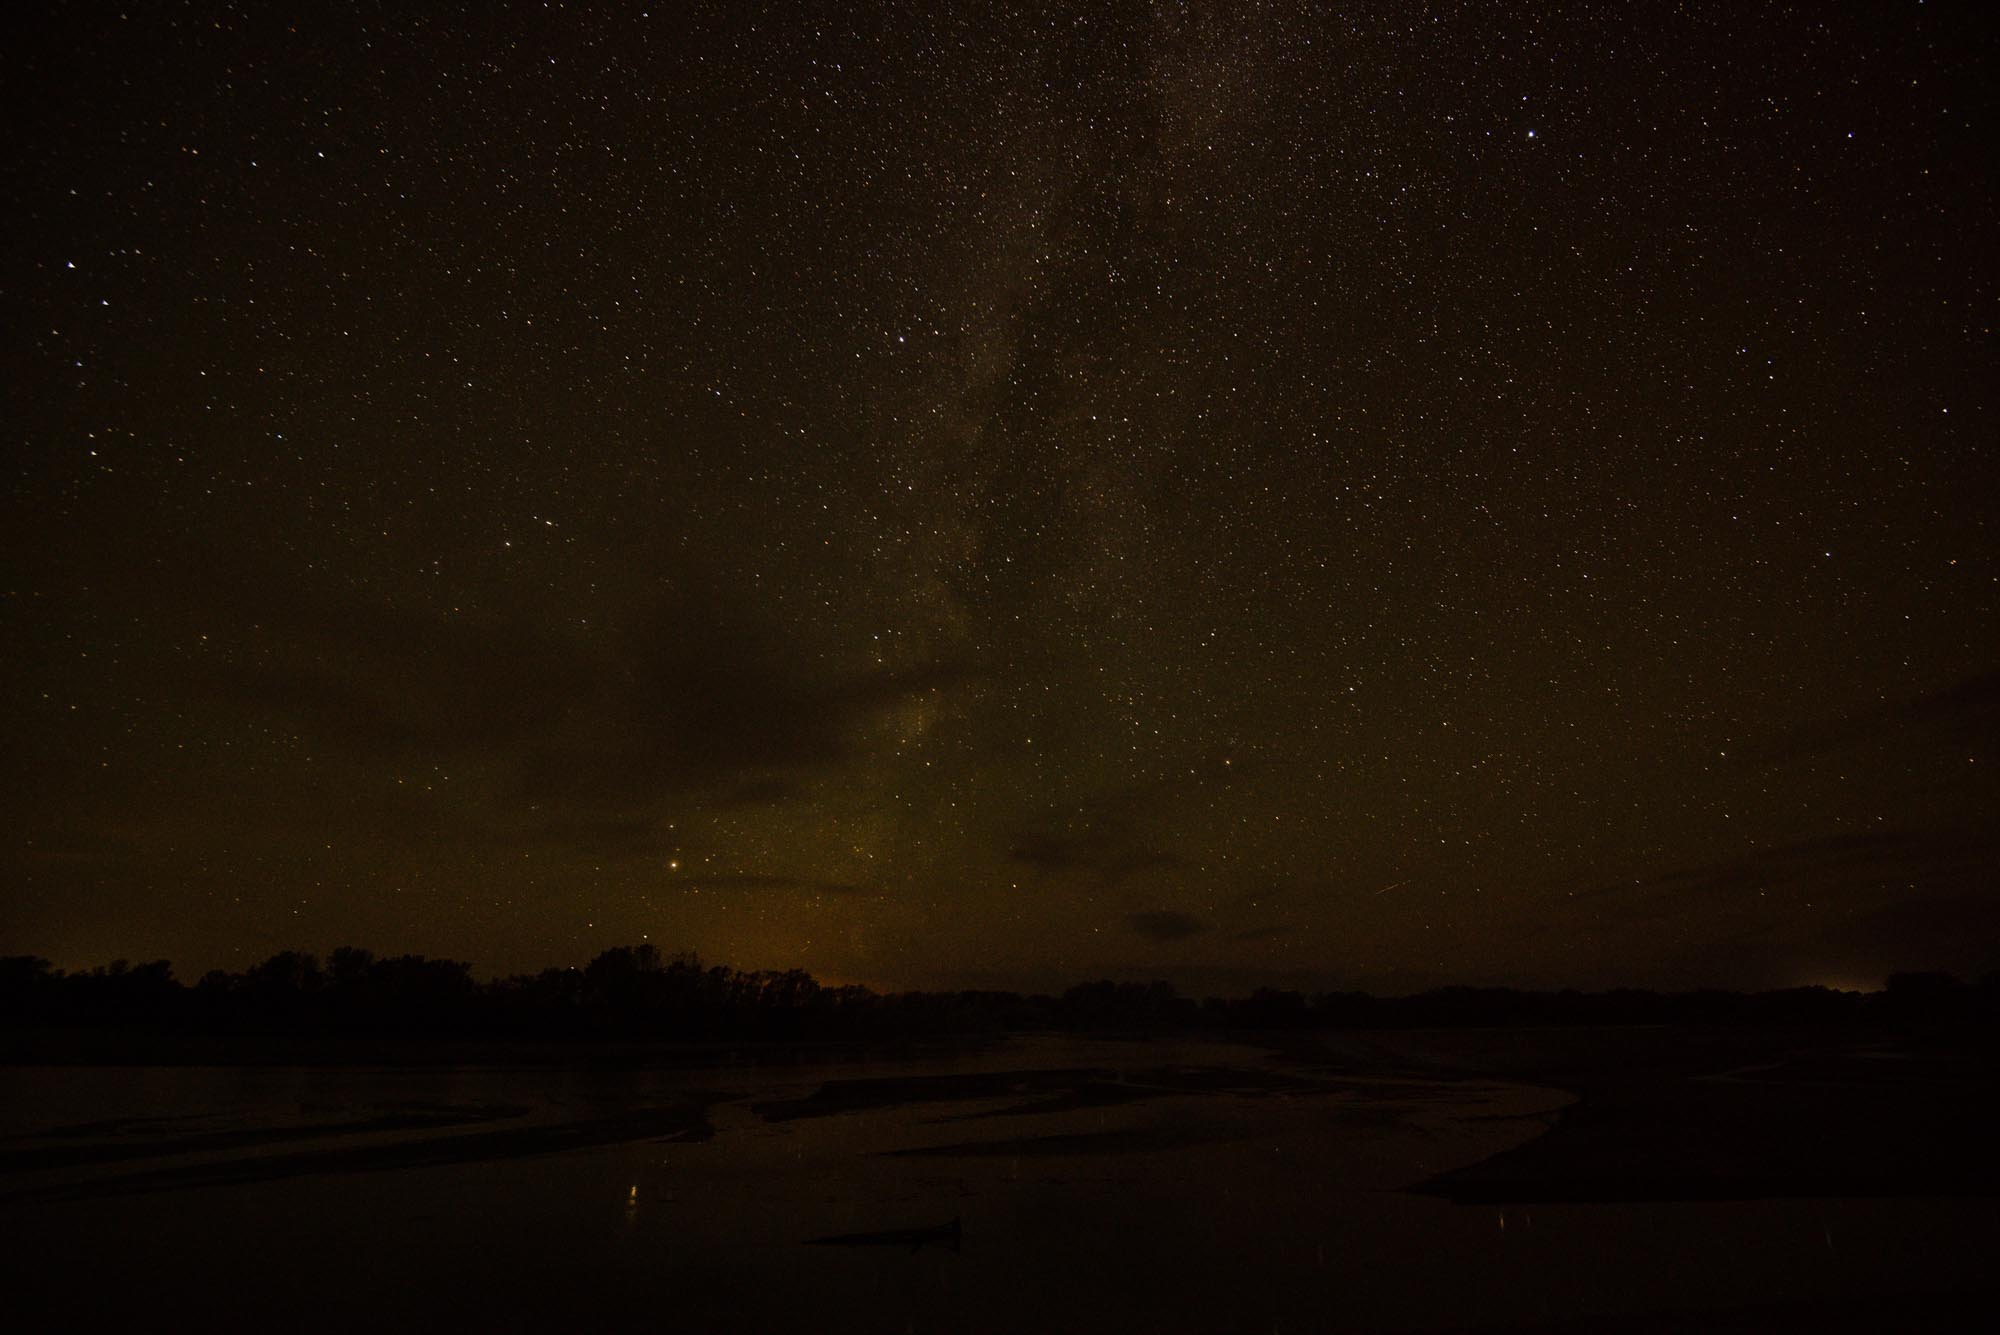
(634, 992)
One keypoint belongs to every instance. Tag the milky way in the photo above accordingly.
(1235, 494)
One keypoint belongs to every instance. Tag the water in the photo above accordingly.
(1097, 1185)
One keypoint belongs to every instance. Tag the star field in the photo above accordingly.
(993, 497)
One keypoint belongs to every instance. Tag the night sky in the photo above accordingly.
(1363, 496)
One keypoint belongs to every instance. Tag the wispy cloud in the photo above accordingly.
(1964, 710)
(583, 735)
(1833, 864)
(747, 883)
(1165, 925)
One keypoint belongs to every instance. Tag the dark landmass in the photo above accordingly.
(1871, 1314)
(1681, 1097)
(292, 1007)
(1685, 1114)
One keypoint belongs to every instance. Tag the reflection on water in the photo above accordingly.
(1087, 1185)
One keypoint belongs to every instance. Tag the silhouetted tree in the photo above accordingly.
(635, 991)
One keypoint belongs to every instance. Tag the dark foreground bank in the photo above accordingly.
(1542, 1178)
